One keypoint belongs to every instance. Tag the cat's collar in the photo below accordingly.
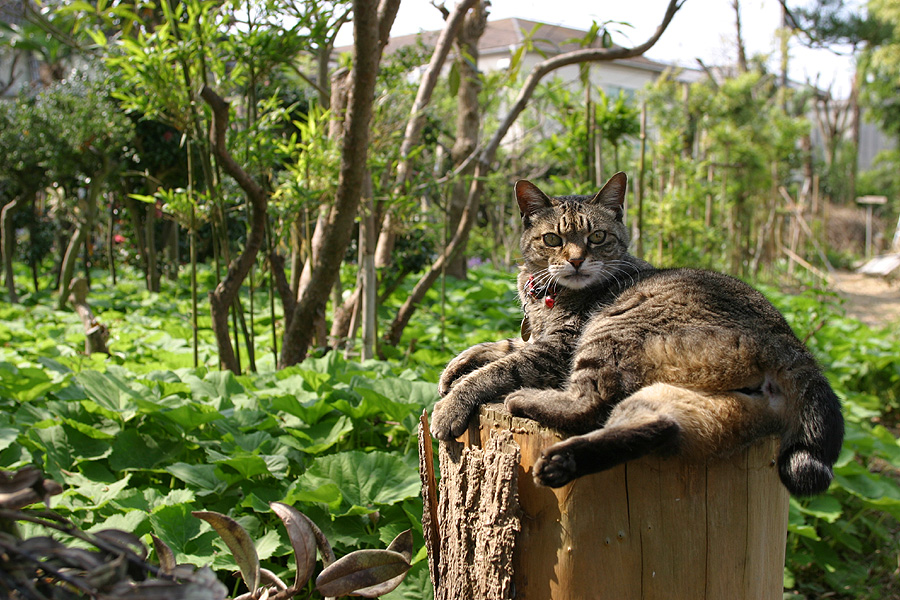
(546, 292)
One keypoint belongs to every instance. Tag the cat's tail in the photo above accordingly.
(814, 433)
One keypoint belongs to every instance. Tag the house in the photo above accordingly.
(504, 37)
(18, 69)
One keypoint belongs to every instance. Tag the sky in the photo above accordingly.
(702, 29)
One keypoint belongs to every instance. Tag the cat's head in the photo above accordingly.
(573, 241)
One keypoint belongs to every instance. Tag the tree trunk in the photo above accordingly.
(485, 158)
(741, 52)
(68, 265)
(8, 230)
(83, 225)
(224, 295)
(150, 252)
(136, 210)
(371, 32)
(173, 261)
(652, 528)
(416, 122)
(111, 239)
(368, 281)
(855, 116)
(468, 121)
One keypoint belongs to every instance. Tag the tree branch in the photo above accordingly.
(370, 31)
(486, 156)
(221, 298)
(426, 88)
(542, 69)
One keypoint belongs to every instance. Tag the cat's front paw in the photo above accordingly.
(555, 468)
(524, 403)
(473, 359)
(449, 418)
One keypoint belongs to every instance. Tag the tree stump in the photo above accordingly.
(96, 333)
(654, 528)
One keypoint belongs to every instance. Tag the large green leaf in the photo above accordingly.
(110, 392)
(8, 435)
(365, 479)
(134, 450)
(322, 436)
(201, 477)
(189, 538)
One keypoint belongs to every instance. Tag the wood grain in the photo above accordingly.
(655, 528)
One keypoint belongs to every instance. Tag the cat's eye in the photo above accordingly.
(552, 240)
(598, 237)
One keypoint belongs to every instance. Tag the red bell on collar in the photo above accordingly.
(546, 292)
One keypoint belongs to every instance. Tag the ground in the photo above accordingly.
(873, 300)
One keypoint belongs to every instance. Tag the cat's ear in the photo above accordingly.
(530, 198)
(612, 195)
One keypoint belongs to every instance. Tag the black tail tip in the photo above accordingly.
(803, 474)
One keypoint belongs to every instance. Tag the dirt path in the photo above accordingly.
(872, 300)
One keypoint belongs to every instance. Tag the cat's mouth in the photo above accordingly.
(576, 280)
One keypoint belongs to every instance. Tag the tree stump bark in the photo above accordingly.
(96, 333)
(653, 528)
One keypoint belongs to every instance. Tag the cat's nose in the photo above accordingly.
(576, 262)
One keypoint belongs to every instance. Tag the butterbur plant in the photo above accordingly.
(111, 563)
(367, 573)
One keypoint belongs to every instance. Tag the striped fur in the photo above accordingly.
(634, 360)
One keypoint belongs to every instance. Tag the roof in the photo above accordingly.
(504, 35)
(12, 11)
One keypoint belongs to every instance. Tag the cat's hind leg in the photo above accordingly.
(661, 419)
(603, 449)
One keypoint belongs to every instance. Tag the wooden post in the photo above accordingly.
(869, 202)
(650, 529)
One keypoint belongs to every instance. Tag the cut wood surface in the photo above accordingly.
(655, 528)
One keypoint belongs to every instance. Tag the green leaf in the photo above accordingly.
(8, 435)
(365, 480)
(191, 416)
(322, 436)
(454, 79)
(827, 508)
(134, 450)
(189, 541)
(327, 493)
(201, 477)
(309, 407)
(249, 465)
(98, 494)
(109, 392)
(135, 521)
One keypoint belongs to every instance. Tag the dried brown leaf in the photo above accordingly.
(360, 570)
(165, 555)
(303, 540)
(238, 541)
(403, 544)
(123, 540)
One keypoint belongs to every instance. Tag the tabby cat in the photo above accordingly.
(634, 360)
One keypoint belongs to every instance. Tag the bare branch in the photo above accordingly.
(387, 12)
(426, 88)
(542, 69)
